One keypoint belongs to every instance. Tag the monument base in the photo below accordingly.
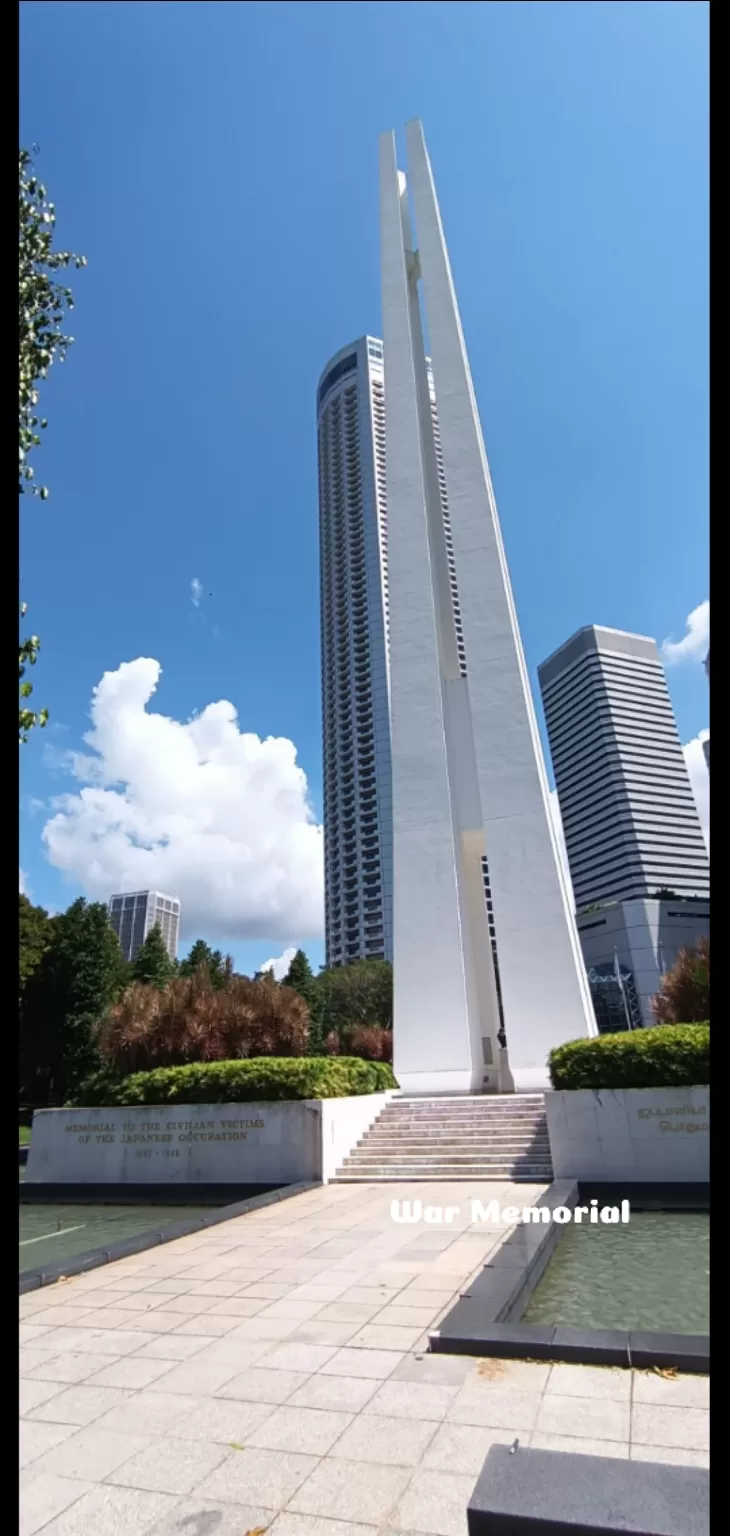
(425, 1083)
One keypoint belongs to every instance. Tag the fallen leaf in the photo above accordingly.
(490, 1370)
(258, 1530)
(235, 1447)
(669, 1374)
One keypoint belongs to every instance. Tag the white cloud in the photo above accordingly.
(279, 966)
(694, 645)
(23, 884)
(196, 591)
(699, 779)
(199, 808)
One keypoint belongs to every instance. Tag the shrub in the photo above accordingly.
(240, 1082)
(369, 1041)
(684, 995)
(191, 1020)
(672, 1055)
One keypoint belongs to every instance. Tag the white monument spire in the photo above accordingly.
(470, 797)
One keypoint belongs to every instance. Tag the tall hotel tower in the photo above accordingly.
(354, 617)
(629, 815)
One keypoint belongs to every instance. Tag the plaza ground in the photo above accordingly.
(272, 1372)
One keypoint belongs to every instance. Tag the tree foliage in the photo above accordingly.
(152, 964)
(684, 995)
(35, 932)
(43, 305)
(357, 994)
(300, 977)
(202, 954)
(79, 975)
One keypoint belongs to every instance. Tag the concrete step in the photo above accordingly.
(445, 1175)
(454, 1139)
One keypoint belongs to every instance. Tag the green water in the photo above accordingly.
(51, 1233)
(653, 1273)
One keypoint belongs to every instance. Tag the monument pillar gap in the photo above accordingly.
(468, 776)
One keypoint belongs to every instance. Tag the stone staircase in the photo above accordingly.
(462, 1138)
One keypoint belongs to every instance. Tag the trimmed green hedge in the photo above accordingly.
(672, 1055)
(241, 1082)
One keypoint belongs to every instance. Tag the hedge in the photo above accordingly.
(240, 1082)
(672, 1055)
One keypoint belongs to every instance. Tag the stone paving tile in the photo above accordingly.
(65, 1315)
(259, 1385)
(523, 1375)
(412, 1400)
(590, 1381)
(70, 1368)
(130, 1373)
(672, 1456)
(91, 1454)
(385, 1442)
(107, 1511)
(410, 1316)
(653, 1425)
(34, 1393)
(253, 1329)
(288, 1524)
(42, 1496)
(316, 1332)
(578, 1444)
(200, 1377)
(29, 1332)
(678, 1392)
(440, 1370)
(376, 1363)
(375, 1336)
(496, 1407)
(269, 1478)
(312, 1430)
(167, 1466)
(592, 1418)
(30, 1357)
(462, 1447)
(298, 1357)
(223, 1420)
(346, 1394)
(95, 1341)
(36, 1439)
(348, 1490)
(147, 1413)
(434, 1503)
(193, 1517)
(172, 1346)
(79, 1405)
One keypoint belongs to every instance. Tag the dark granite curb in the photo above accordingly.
(559, 1493)
(486, 1320)
(33, 1279)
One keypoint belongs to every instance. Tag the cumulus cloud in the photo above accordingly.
(196, 591)
(699, 779)
(695, 643)
(22, 884)
(280, 966)
(199, 808)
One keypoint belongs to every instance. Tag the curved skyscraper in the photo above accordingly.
(354, 620)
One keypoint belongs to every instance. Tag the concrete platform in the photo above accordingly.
(272, 1372)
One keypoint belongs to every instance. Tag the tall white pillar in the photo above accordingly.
(468, 775)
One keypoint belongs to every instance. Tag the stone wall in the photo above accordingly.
(640, 1135)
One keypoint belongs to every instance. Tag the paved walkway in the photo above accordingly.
(270, 1373)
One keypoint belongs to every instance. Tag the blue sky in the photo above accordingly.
(217, 165)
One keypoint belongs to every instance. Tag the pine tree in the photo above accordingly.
(202, 954)
(152, 964)
(300, 977)
(79, 976)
